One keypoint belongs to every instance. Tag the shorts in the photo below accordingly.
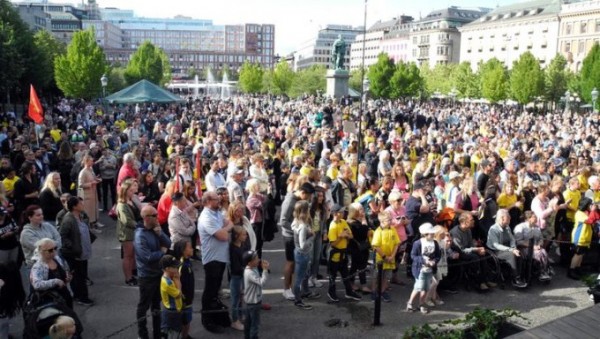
(289, 248)
(581, 250)
(423, 283)
(186, 315)
(171, 320)
(387, 274)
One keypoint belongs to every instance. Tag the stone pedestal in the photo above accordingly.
(337, 83)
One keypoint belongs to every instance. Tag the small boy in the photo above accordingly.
(170, 294)
(253, 284)
(425, 255)
(339, 234)
(385, 243)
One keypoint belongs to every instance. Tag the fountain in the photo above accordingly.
(210, 83)
(225, 91)
(196, 88)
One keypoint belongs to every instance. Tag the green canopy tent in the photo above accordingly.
(143, 91)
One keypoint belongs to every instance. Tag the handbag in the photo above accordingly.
(113, 212)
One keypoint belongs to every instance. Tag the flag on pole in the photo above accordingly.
(35, 112)
(177, 174)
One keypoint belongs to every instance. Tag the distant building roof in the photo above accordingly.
(455, 13)
(62, 16)
(389, 25)
(521, 10)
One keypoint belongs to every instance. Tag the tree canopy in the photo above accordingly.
(148, 62)
(526, 79)
(380, 75)
(251, 78)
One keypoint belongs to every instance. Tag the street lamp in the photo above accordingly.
(453, 95)
(594, 98)
(104, 82)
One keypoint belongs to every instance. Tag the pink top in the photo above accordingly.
(542, 211)
(396, 214)
(474, 201)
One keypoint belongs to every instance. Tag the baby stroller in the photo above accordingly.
(40, 312)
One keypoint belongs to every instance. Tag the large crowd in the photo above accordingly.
(441, 196)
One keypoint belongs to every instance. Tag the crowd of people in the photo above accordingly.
(443, 195)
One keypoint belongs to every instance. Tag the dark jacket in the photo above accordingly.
(51, 204)
(337, 191)
(70, 237)
(419, 259)
(147, 251)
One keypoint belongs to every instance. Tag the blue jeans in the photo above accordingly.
(252, 321)
(235, 288)
(301, 262)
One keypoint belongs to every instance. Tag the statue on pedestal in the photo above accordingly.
(338, 51)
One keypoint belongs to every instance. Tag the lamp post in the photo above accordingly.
(594, 98)
(104, 82)
(453, 95)
(362, 91)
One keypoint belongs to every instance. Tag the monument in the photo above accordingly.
(337, 76)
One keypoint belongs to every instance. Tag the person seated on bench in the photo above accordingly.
(528, 232)
(502, 243)
(470, 251)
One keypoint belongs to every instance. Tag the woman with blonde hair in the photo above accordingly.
(63, 328)
(236, 214)
(128, 215)
(254, 203)
(50, 197)
(87, 183)
(303, 240)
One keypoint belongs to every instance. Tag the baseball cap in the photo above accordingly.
(338, 208)
(248, 256)
(169, 261)
(426, 228)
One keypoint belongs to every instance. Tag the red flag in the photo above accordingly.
(35, 112)
(198, 173)
(177, 175)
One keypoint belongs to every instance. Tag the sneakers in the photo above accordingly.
(302, 305)
(483, 287)
(85, 301)
(311, 295)
(313, 282)
(288, 294)
(386, 297)
(433, 303)
(424, 310)
(131, 282)
(352, 295)
(518, 283)
(544, 277)
(410, 308)
(439, 302)
(491, 284)
(333, 297)
(100, 225)
(237, 325)
(430, 303)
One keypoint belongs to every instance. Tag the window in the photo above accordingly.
(568, 29)
(581, 47)
(597, 25)
(583, 27)
(568, 47)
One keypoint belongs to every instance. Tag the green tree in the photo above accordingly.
(251, 77)
(356, 79)
(555, 79)
(380, 75)
(526, 79)
(78, 72)
(590, 73)
(166, 66)
(146, 63)
(494, 80)
(406, 81)
(267, 81)
(438, 79)
(309, 81)
(283, 77)
(49, 48)
(116, 80)
(465, 81)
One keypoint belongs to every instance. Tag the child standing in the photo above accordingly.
(385, 244)
(303, 241)
(184, 250)
(339, 234)
(425, 255)
(253, 284)
(170, 294)
(236, 269)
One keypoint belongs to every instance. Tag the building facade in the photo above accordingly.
(62, 20)
(579, 31)
(435, 39)
(397, 45)
(509, 31)
(373, 41)
(318, 51)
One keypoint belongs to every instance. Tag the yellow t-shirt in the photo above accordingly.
(55, 134)
(575, 196)
(9, 184)
(305, 170)
(385, 239)
(170, 294)
(505, 200)
(332, 172)
(335, 229)
(583, 183)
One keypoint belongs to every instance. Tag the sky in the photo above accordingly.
(296, 21)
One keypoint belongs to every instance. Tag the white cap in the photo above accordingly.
(426, 228)
(453, 175)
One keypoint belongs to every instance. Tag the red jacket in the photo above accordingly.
(163, 208)
(126, 172)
